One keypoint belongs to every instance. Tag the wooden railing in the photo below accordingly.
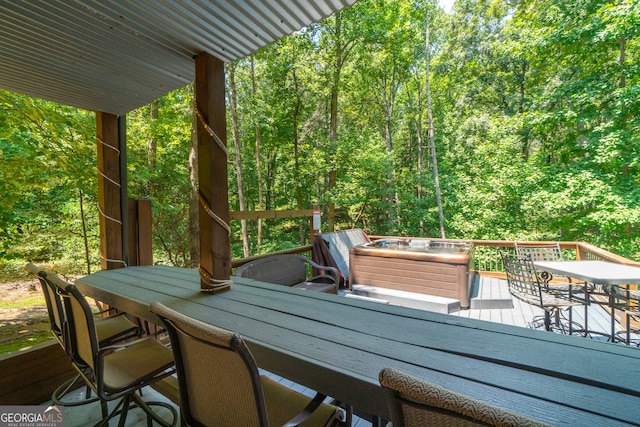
(486, 254)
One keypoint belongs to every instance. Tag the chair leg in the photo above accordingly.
(151, 414)
(125, 410)
(547, 320)
(57, 396)
(105, 419)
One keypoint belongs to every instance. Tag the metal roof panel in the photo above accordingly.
(117, 55)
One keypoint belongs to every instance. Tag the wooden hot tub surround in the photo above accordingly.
(433, 267)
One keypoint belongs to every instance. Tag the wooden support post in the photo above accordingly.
(215, 245)
(140, 232)
(111, 187)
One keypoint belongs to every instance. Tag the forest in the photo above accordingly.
(501, 120)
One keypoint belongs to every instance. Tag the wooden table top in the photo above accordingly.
(338, 346)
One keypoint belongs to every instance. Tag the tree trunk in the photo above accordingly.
(390, 175)
(238, 151)
(623, 83)
(296, 145)
(388, 91)
(432, 142)
(85, 239)
(333, 122)
(258, 163)
(194, 205)
(420, 149)
(152, 145)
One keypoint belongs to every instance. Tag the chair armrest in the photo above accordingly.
(333, 272)
(307, 411)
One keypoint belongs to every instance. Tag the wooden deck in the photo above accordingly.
(490, 302)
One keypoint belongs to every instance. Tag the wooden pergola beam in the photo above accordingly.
(215, 245)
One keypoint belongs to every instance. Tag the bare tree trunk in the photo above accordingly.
(387, 105)
(622, 84)
(342, 50)
(85, 239)
(296, 144)
(258, 166)
(238, 160)
(333, 121)
(390, 175)
(194, 206)
(420, 149)
(432, 142)
(152, 146)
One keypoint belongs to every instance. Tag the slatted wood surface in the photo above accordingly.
(338, 345)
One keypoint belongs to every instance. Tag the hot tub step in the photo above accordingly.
(490, 292)
(408, 299)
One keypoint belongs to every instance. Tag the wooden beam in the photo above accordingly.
(288, 213)
(215, 245)
(111, 185)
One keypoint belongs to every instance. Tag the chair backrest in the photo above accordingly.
(82, 338)
(540, 251)
(55, 308)
(415, 402)
(218, 377)
(522, 278)
(332, 249)
(288, 270)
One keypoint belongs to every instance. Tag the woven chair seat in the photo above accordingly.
(283, 404)
(145, 358)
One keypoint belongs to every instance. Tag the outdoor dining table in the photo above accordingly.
(338, 345)
(609, 275)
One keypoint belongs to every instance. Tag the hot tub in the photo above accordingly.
(440, 268)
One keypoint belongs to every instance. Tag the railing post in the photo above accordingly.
(315, 222)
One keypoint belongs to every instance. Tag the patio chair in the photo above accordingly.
(332, 249)
(110, 330)
(630, 303)
(115, 371)
(550, 251)
(414, 402)
(565, 287)
(220, 384)
(525, 285)
(291, 270)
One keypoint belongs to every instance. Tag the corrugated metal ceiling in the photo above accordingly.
(115, 55)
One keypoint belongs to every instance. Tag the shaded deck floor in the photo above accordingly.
(490, 301)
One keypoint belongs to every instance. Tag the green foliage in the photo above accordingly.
(536, 120)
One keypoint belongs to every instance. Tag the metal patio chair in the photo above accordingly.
(110, 330)
(630, 303)
(565, 287)
(220, 384)
(525, 284)
(291, 270)
(115, 371)
(414, 402)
